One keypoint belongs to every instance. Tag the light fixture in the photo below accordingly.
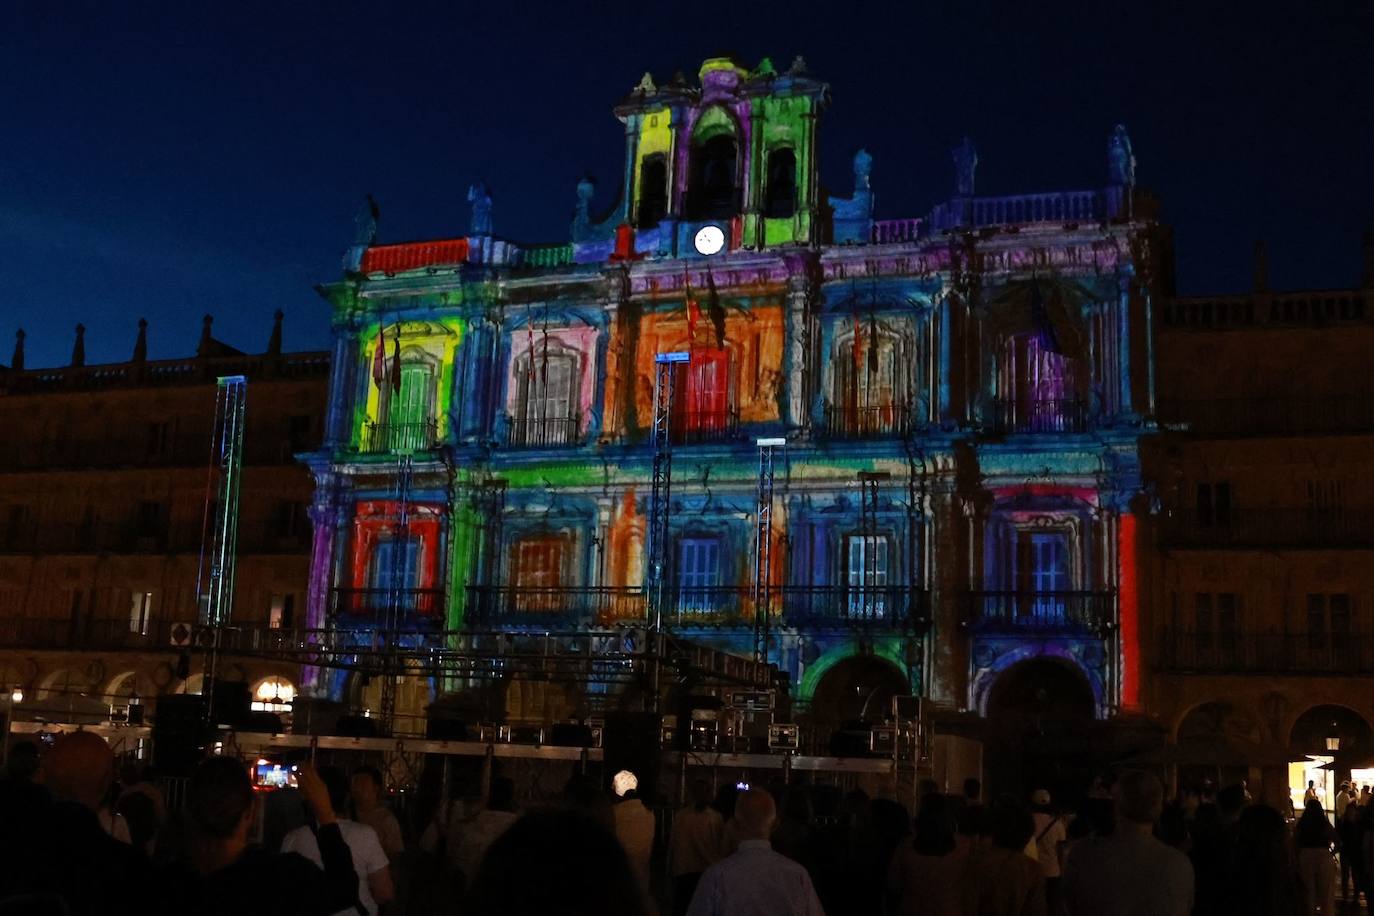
(1333, 743)
(17, 694)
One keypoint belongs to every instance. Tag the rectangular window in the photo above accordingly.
(1339, 607)
(702, 395)
(1043, 574)
(409, 412)
(140, 612)
(395, 564)
(1214, 503)
(867, 575)
(539, 575)
(281, 611)
(698, 574)
(159, 439)
(1202, 620)
(150, 519)
(548, 400)
(1227, 620)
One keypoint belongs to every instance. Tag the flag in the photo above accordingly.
(693, 311)
(872, 344)
(379, 361)
(858, 342)
(715, 309)
(529, 348)
(396, 363)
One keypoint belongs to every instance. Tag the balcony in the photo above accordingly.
(1052, 415)
(572, 605)
(104, 633)
(1227, 418)
(539, 432)
(876, 606)
(399, 438)
(1269, 529)
(693, 427)
(1306, 653)
(376, 604)
(1041, 613)
(891, 422)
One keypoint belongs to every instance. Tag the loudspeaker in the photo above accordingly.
(179, 733)
(631, 742)
(570, 734)
(356, 727)
(231, 701)
(446, 729)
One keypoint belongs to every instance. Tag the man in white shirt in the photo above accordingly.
(369, 861)
(755, 880)
(634, 825)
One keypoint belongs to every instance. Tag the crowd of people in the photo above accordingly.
(83, 840)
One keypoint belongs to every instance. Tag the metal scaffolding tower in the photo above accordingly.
(763, 549)
(662, 443)
(220, 524)
(399, 581)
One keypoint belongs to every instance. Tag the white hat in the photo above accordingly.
(1040, 797)
(623, 782)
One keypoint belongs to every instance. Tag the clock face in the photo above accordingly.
(710, 239)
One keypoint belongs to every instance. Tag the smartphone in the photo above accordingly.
(742, 786)
(275, 775)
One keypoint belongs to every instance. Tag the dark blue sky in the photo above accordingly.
(167, 162)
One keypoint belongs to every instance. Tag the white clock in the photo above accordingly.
(709, 240)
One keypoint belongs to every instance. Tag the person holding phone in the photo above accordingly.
(221, 874)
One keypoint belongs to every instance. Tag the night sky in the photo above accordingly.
(165, 163)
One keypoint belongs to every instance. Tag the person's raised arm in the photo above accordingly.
(339, 890)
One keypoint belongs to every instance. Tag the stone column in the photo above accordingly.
(797, 346)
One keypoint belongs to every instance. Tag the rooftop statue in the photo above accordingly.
(1120, 159)
(965, 162)
(365, 223)
(863, 168)
(480, 198)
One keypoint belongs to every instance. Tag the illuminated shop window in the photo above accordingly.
(273, 694)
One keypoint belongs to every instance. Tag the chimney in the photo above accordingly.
(141, 344)
(274, 342)
(1368, 248)
(203, 348)
(1261, 267)
(17, 360)
(79, 347)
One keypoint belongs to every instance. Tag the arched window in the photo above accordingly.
(780, 187)
(653, 190)
(869, 396)
(712, 192)
(408, 422)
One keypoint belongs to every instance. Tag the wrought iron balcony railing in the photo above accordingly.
(378, 603)
(1029, 612)
(100, 633)
(399, 438)
(1231, 652)
(843, 422)
(694, 426)
(1267, 529)
(1047, 415)
(542, 432)
(893, 606)
(1289, 416)
(563, 605)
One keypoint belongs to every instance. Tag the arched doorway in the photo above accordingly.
(1218, 743)
(1328, 744)
(1040, 716)
(852, 696)
(413, 694)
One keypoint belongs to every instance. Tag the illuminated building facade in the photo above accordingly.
(554, 438)
(103, 472)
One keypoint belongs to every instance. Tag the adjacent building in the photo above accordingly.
(103, 479)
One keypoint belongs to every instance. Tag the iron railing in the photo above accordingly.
(376, 603)
(85, 633)
(1288, 416)
(891, 421)
(1240, 529)
(1231, 652)
(693, 426)
(1008, 612)
(554, 605)
(542, 432)
(385, 438)
(1040, 415)
(897, 606)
